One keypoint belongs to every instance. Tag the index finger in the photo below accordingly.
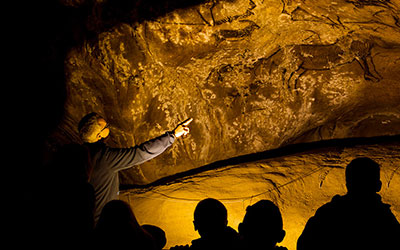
(187, 122)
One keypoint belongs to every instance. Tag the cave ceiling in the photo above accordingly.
(255, 75)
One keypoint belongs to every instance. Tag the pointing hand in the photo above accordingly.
(182, 128)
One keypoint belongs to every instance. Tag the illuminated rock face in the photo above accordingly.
(299, 184)
(254, 75)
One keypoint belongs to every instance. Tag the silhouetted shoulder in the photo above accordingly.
(231, 233)
(357, 220)
(228, 239)
(348, 220)
(336, 202)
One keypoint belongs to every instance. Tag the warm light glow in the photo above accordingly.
(297, 184)
(175, 216)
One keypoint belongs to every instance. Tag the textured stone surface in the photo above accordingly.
(255, 75)
(299, 184)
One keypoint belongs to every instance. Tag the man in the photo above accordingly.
(357, 220)
(262, 227)
(118, 228)
(211, 222)
(107, 162)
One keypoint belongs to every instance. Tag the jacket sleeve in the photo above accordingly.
(124, 158)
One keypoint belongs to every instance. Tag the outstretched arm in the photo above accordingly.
(124, 158)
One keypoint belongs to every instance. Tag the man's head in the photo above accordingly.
(117, 216)
(363, 177)
(262, 226)
(210, 217)
(158, 235)
(93, 128)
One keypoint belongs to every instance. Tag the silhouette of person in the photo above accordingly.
(262, 227)
(158, 235)
(357, 220)
(211, 222)
(76, 193)
(107, 161)
(118, 228)
(66, 200)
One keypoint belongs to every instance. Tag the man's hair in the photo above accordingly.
(89, 127)
(117, 215)
(210, 214)
(263, 215)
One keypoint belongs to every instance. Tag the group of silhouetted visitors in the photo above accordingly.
(84, 208)
(262, 227)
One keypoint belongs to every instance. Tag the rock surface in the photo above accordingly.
(298, 183)
(255, 75)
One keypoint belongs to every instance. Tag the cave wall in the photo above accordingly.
(254, 75)
(298, 183)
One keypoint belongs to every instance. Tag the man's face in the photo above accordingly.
(105, 131)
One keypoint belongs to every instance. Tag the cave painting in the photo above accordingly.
(258, 76)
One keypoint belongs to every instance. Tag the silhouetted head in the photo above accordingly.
(262, 226)
(210, 217)
(363, 176)
(118, 229)
(117, 216)
(93, 128)
(158, 235)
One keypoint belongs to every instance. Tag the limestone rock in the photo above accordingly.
(254, 75)
(298, 183)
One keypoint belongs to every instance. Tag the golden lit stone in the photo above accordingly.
(299, 184)
(255, 76)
